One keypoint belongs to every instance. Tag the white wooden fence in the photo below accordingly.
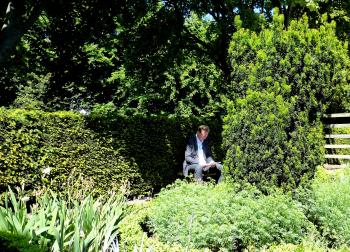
(330, 138)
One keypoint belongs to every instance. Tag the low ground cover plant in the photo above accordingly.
(188, 216)
(328, 207)
(135, 235)
(194, 216)
(225, 217)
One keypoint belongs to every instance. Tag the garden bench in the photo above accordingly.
(206, 176)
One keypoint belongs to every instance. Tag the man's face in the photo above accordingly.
(203, 135)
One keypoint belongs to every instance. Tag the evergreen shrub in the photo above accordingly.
(310, 65)
(276, 137)
(55, 149)
(226, 216)
(60, 149)
(266, 145)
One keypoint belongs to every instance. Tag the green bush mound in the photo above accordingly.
(282, 81)
(134, 233)
(307, 247)
(313, 64)
(266, 145)
(55, 149)
(225, 217)
(328, 206)
(155, 143)
(16, 243)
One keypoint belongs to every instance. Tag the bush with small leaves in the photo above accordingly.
(309, 65)
(266, 145)
(328, 206)
(17, 243)
(226, 216)
(134, 232)
(54, 149)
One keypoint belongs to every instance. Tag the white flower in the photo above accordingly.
(25, 199)
(84, 112)
(47, 170)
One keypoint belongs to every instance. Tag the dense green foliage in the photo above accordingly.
(190, 216)
(55, 149)
(329, 207)
(58, 150)
(64, 224)
(265, 146)
(186, 217)
(156, 144)
(150, 72)
(146, 57)
(134, 232)
(204, 216)
(287, 79)
(309, 65)
(17, 243)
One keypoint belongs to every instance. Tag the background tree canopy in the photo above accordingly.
(144, 75)
(147, 57)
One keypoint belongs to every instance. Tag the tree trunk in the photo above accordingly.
(15, 26)
(3, 11)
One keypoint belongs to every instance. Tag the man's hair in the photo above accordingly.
(203, 127)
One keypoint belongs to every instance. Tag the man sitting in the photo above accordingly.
(198, 156)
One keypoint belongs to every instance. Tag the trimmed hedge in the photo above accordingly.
(55, 149)
(143, 154)
(155, 143)
(283, 80)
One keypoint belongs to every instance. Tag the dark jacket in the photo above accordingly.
(191, 153)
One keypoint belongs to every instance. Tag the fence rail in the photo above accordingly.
(337, 156)
(337, 115)
(335, 166)
(337, 146)
(334, 157)
(338, 125)
(337, 136)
